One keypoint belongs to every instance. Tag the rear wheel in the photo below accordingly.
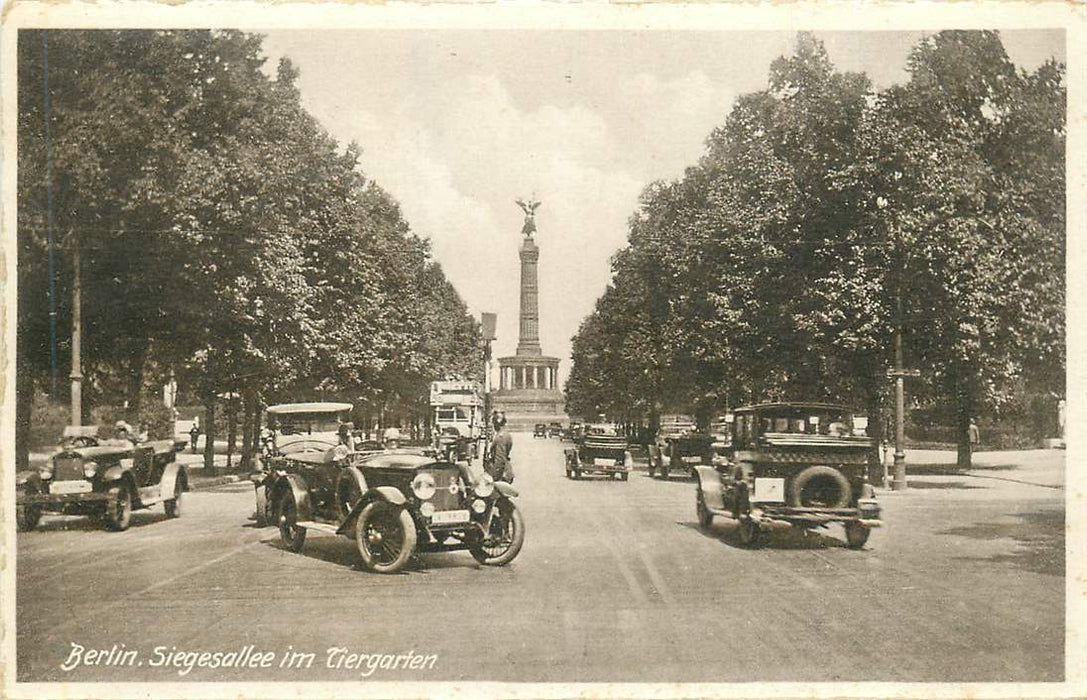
(385, 535)
(504, 539)
(292, 536)
(705, 517)
(856, 535)
(119, 508)
(749, 532)
(173, 505)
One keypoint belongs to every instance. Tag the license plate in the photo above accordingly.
(692, 460)
(63, 487)
(769, 490)
(444, 517)
(603, 462)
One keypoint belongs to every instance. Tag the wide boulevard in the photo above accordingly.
(615, 583)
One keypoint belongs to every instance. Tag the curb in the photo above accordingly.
(213, 481)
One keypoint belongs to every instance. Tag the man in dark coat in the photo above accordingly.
(501, 446)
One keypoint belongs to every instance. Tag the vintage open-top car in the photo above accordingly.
(804, 464)
(393, 503)
(600, 450)
(106, 479)
(539, 430)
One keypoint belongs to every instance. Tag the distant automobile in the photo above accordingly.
(799, 463)
(540, 430)
(554, 429)
(601, 450)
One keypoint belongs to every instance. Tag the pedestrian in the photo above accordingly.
(975, 435)
(501, 446)
(194, 434)
(391, 438)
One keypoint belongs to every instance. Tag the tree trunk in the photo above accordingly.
(964, 412)
(247, 431)
(231, 429)
(24, 402)
(875, 431)
(136, 360)
(209, 436)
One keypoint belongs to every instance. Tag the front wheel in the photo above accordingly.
(119, 508)
(504, 539)
(385, 535)
(292, 536)
(856, 535)
(28, 517)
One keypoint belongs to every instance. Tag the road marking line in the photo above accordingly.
(82, 620)
(656, 578)
(632, 581)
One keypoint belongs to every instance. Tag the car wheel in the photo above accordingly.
(505, 539)
(652, 461)
(173, 505)
(292, 536)
(385, 535)
(664, 470)
(577, 474)
(623, 476)
(749, 532)
(856, 535)
(263, 514)
(705, 517)
(820, 487)
(119, 508)
(28, 517)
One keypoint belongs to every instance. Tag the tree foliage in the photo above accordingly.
(771, 269)
(223, 235)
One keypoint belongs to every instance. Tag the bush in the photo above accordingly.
(47, 421)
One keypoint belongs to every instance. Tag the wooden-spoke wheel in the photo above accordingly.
(385, 536)
(504, 539)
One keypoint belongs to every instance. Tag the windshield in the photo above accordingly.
(808, 421)
(451, 415)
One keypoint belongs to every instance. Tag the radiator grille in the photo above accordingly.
(443, 499)
(68, 468)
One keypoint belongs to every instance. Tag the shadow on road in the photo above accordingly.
(342, 552)
(953, 469)
(776, 537)
(915, 484)
(1039, 536)
(60, 523)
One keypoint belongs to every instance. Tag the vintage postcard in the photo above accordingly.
(542, 350)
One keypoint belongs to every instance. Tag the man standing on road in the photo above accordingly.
(975, 435)
(501, 445)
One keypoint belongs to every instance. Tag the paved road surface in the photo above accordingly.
(615, 583)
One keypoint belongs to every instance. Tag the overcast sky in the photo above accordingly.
(456, 125)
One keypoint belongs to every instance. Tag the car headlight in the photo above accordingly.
(45, 471)
(484, 485)
(90, 469)
(423, 486)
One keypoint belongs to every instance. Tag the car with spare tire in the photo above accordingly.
(801, 464)
(602, 450)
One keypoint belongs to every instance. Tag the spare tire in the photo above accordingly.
(820, 487)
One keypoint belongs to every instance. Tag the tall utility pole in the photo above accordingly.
(77, 333)
(899, 373)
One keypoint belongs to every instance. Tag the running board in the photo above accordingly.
(323, 528)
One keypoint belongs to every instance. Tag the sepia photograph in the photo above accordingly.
(529, 351)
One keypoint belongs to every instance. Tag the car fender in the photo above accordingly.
(294, 484)
(505, 489)
(350, 474)
(709, 482)
(117, 471)
(390, 494)
(174, 477)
